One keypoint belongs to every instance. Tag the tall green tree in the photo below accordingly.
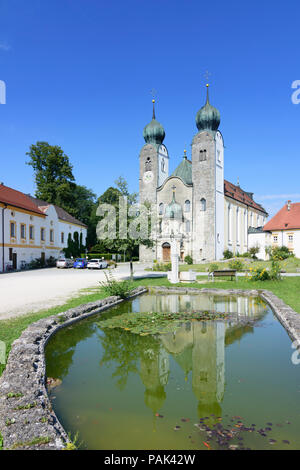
(54, 177)
(119, 244)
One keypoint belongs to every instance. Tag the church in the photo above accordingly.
(196, 207)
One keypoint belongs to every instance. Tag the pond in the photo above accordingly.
(219, 383)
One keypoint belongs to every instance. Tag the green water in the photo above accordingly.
(231, 377)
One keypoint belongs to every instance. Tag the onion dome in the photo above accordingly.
(208, 117)
(173, 210)
(154, 132)
(184, 170)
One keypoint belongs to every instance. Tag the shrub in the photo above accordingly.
(162, 267)
(280, 253)
(51, 262)
(227, 254)
(253, 251)
(259, 274)
(246, 255)
(236, 264)
(113, 287)
(213, 267)
(188, 259)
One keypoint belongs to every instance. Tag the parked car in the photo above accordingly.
(64, 263)
(80, 263)
(97, 264)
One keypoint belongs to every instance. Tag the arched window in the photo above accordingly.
(229, 223)
(161, 208)
(187, 226)
(148, 165)
(202, 155)
(187, 206)
(237, 225)
(163, 165)
(203, 204)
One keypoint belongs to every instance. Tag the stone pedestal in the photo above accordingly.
(173, 275)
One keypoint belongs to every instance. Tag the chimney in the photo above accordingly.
(289, 205)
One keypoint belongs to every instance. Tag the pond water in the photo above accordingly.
(207, 384)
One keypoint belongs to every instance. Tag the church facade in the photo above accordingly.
(194, 205)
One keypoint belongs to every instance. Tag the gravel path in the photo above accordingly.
(30, 291)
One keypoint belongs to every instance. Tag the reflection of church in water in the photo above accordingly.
(198, 347)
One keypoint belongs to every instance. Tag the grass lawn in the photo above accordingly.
(288, 289)
(289, 265)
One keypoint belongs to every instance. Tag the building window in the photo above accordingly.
(161, 208)
(229, 223)
(291, 238)
(13, 229)
(31, 232)
(202, 155)
(10, 254)
(23, 231)
(62, 237)
(275, 238)
(203, 204)
(237, 225)
(51, 235)
(148, 166)
(187, 226)
(187, 206)
(42, 234)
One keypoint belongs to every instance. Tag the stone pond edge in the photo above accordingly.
(28, 421)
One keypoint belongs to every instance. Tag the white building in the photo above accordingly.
(282, 230)
(31, 228)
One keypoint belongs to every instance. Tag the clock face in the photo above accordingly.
(148, 177)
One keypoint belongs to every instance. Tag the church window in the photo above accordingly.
(163, 165)
(219, 155)
(237, 225)
(203, 204)
(229, 223)
(148, 165)
(187, 206)
(187, 226)
(161, 208)
(202, 156)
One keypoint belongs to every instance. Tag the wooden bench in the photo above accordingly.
(223, 273)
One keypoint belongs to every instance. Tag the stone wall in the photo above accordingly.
(27, 420)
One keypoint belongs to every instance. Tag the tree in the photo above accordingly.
(128, 244)
(53, 174)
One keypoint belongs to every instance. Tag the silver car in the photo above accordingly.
(97, 264)
(64, 263)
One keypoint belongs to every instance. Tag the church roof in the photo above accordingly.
(237, 193)
(286, 219)
(184, 171)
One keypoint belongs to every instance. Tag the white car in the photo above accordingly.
(64, 263)
(97, 264)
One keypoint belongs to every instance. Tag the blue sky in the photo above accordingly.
(79, 74)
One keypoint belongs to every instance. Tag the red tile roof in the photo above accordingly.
(285, 219)
(17, 199)
(237, 193)
(61, 213)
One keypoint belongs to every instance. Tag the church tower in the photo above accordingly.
(208, 182)
(154, 169)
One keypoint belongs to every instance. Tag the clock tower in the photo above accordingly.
(154, 169)
(154, 160)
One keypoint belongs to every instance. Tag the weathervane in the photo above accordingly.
(154, 94)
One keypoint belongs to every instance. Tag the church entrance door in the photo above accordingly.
(166, 251)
